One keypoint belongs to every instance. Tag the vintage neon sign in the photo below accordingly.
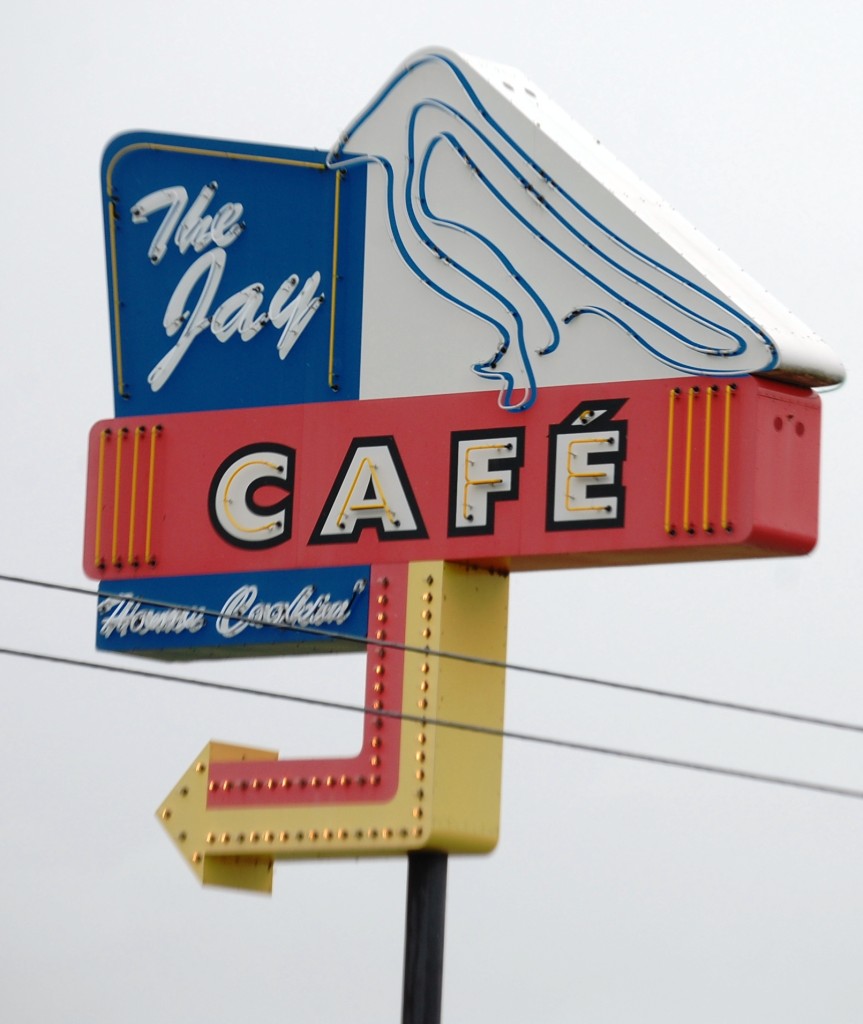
(647, 471)
(222, 306)
(498, 261)
(505, 354)
(229, 614)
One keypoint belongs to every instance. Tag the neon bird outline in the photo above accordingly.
(412, 217)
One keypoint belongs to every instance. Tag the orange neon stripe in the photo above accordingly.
(726, 456)
(705, 498)
(115, 545)
(100, 494)
(151, 488)
(669, 460)
(687, 476)
(133, 504)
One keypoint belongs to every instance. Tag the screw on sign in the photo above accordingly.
(354, 390)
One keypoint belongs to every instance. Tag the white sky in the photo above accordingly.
(619, 892)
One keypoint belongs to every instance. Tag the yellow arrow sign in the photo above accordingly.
(238, 809)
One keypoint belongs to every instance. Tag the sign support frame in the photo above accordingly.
(425, 923)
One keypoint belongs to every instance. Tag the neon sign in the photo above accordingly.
(226, 614)
(639, 472)
(240, 287)
(355, 388)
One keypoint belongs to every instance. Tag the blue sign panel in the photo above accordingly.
(235, 274)
(296, 612)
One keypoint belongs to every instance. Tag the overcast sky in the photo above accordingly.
(619, 892)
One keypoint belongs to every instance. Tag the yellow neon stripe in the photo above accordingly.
(226, 499)
(112, 233)
(726, 455)
(100, 494)
(133, 504)
(588, 474)
(151, 488)
(115, 556)
(196, 151)
(687, 473)
(673, 395)
(583, 508)
(705, 497)
(115, 300)
(363, 507)
(476, 483)
(331, 372)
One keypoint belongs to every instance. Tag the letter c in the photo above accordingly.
(235, 511)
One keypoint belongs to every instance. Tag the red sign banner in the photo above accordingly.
(620, 473)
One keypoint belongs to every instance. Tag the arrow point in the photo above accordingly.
(183, 814)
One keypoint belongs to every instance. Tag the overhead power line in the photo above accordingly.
(510, 666)
(508, 734)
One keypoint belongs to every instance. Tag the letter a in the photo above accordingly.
(371, 490)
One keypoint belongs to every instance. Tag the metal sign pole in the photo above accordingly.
(424, 934)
